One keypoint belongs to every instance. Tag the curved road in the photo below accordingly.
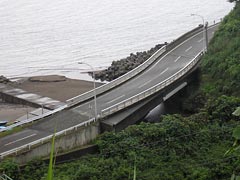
(165, 67)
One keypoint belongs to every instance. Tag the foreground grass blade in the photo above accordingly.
(50, 168)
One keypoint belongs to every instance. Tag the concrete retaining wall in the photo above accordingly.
(13, 99)
(71, 140)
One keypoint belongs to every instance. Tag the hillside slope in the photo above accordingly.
(221, 65)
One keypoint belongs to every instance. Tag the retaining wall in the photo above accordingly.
(71, 140)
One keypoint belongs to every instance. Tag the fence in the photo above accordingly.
(83, 97)
(106, 87)
(152, 90)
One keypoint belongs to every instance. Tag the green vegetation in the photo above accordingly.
(221, 65)
(51, 163)
(177, 147)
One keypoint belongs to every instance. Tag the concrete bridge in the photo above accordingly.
(120, 103)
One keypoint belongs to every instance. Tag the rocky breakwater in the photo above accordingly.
(122, 66)
(4, 80)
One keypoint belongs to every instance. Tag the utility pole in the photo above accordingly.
(94, 88)
(202, 29)
(206, 35)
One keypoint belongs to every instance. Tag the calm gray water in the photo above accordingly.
(49, 37)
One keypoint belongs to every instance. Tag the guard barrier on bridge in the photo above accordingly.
(36, 143)
(134, 99)
(106, 87)
(185, 36)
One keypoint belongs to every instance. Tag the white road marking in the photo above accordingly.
(20, 139)
(88, 103)
(188, 49)
(164, 71)
(150, 68)
(115, 99)
(177, 59)
(144, 84)
(153, 78)
(200, 40)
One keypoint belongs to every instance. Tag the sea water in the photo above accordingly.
(51, 37)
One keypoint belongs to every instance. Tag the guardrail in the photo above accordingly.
(134, 99)
(154, 89)
(27, 147)
(83, 97)
(114, 83)
(33, 118)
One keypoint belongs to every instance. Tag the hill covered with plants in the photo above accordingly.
(175, 148)
(221, 65)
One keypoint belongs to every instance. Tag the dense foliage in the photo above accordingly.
(221, 65)
(175, 148)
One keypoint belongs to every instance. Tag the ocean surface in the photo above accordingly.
(41, 37)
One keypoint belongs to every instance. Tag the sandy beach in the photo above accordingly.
(53, 86)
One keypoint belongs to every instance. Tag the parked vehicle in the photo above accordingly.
(3, 123)
(2, 127)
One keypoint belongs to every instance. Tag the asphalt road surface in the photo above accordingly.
(165, 67)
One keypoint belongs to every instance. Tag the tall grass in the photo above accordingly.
(135, 170)
(50, 167)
